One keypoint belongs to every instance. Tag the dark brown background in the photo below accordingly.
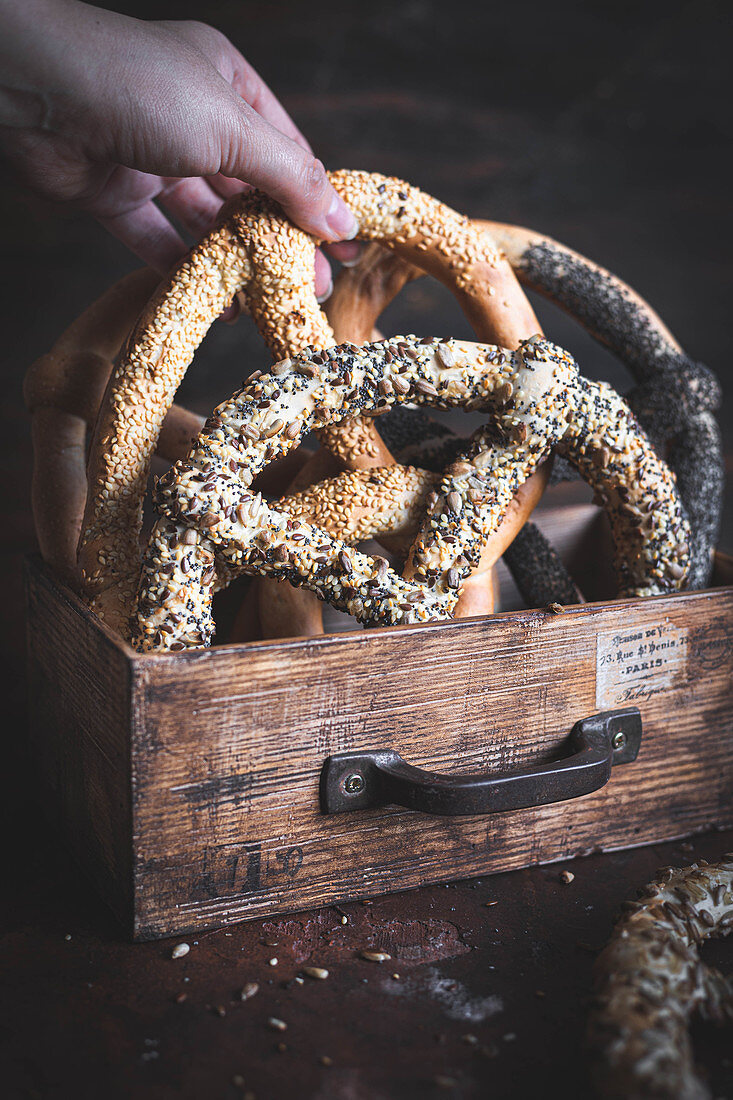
(604, 124)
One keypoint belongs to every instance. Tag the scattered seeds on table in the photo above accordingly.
(281, 1047)
(220, 1010)
(180, 950)
(318, 972)
(470, 1039)
(273, 961)
(566, 877)
(249, 990)
(275, 1024)
(376, 956)
(181, 998)
(326, 1061)
(490, 903)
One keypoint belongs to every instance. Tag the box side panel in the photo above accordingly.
(79, 719)
(227, 769)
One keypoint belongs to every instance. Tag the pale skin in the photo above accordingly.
(136, 122)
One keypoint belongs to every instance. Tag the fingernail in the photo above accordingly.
(320, 298)
(350, 263)
(341, 221)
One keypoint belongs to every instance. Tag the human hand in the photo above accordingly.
(121, 117)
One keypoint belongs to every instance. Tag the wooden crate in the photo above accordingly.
(188, 784)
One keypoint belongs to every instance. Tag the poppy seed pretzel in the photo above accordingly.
(533, 393)
(255, 249)
(649, 982)
(675, 397)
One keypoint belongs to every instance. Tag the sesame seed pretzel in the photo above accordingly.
(537, 400)
(675, 397)
(63, 391)
(650, 982)
(256, 250)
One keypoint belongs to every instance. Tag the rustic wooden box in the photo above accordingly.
(188, 784)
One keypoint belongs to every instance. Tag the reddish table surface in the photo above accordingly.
(477, 999)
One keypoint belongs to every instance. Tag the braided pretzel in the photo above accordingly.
(63, 391)
(675, 397)
(537, 399)
(650, 981)
(256, 250)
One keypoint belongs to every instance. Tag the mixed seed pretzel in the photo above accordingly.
(675, 397)
(650, 982)
(538, 401)
(255, 249)
(360, 295)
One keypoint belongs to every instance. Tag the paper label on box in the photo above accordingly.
(632, 667)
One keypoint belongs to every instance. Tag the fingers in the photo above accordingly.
(193, 202)
(253, 90)
(254, 151)
(238, 72)
(147, 232)
(348, 253)
(226, 187)
(323, 277)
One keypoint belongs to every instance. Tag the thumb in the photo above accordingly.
(256, 153)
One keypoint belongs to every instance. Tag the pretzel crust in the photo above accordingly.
(535, 394)
(675, 398)
(359, 297)
(63, 390)
(649, 982)
(255, 249)
(391, 501)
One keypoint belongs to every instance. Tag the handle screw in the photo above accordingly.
(619, 740)
(354, 784)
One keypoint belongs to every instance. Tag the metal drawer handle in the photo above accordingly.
(364, 780)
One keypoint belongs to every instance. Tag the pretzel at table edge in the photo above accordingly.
(538, 402)
(649, 982)
(255, 249)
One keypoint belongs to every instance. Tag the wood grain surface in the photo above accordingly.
(223, 748)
